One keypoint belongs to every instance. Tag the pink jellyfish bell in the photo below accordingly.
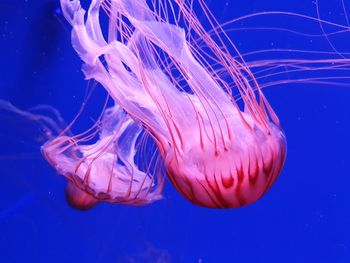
(219, 138)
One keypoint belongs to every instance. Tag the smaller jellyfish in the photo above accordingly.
(105, 170)
(219, 138)
(115, 168)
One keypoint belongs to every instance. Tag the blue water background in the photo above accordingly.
(305, 217)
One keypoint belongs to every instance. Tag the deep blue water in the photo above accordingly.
(305, 217)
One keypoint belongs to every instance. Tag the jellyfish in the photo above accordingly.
(105, 170)
(103, 163)
(219, 139)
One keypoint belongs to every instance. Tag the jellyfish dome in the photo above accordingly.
(220, 140)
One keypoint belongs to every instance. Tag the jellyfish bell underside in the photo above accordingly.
(216, 153)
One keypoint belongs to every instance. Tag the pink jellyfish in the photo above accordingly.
(220, 140)
(106, 169)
